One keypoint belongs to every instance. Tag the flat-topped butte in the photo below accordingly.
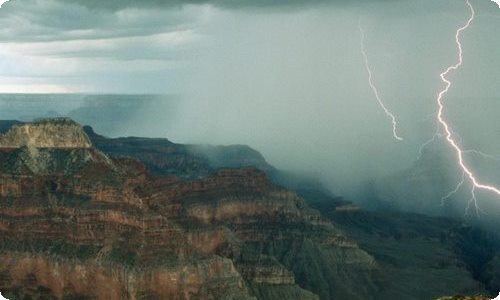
(46, 133)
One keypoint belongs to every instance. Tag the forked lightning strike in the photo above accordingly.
(374, 88)
(459, 185)
(421, 149)
(482, 154)
(447, 130)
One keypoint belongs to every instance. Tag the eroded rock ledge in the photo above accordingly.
(46, 133)
(78, 224)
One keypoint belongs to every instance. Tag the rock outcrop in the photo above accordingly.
(46, 133)
(76, 223)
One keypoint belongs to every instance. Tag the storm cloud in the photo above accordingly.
(230, 4)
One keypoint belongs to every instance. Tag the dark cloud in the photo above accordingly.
(231, 4)
(50, 20)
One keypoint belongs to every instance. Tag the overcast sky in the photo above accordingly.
(287, 78)
(152, 46)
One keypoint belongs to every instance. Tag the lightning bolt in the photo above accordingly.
(484, 155)
(374, 88)
(459, 185)
(473, 199)
(447, 129)
(429, 141)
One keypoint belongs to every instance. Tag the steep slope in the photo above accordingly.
(423, 257)
(53, 133)
(76, 223)
(160, 156)
(414, 262)
(163, 157)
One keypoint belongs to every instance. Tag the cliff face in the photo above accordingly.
(163, 157)
(78, 224)
(53, 133)
(40, 277)
(422, 257)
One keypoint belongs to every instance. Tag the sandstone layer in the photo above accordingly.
(50, 133)
(76, 223)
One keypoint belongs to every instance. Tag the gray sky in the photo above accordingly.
(287, 78)
(153, 46)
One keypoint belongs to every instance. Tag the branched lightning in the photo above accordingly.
(374, 88)
(473, 199)
(459, 185)
(484, 155)
(447, 130)
(432, 139)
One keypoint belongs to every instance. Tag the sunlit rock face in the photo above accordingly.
(48, 146)
(79, 224)
(46, 133)
(40, 277)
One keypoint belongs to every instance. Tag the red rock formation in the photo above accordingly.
(80, 224)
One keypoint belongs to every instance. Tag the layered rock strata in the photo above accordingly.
(78, 224)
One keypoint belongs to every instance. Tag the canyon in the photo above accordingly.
(83, 216)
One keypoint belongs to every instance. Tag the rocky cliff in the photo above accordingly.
(83, 216)
(46, 133)
(76, 223)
